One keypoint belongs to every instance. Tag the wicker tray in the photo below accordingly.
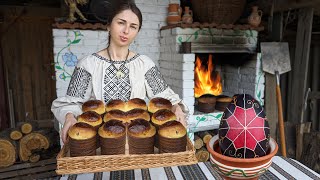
(101, 163)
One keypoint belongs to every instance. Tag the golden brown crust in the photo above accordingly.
(126, 117)
(224, 99)
(158, 103)
(94, 105)
(162, 116)
(90, 117)
(82, 131)
(172, 129)
(112, 129)
(141, 128)
(134, 103)
(137, 114)
(116, 104)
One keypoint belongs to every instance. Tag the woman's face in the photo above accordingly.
(124, 28)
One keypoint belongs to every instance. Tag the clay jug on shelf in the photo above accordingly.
(187, 16)
(174, 15)
(255, 17)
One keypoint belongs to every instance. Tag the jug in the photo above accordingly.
(174, 15)
(255, 17)
(187, 16)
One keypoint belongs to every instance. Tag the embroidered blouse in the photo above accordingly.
(96, 77)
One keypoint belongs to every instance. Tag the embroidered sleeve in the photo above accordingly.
(155, 80)
(79, 83)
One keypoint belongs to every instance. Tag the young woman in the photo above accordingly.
(115, 73)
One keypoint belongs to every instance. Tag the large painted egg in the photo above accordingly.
(244, 130)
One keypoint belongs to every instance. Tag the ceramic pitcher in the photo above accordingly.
(255, 17)
(187, 16)
(174, 15)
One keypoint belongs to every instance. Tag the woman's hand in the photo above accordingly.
(70, 121)
(181, 116)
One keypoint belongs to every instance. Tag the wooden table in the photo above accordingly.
(281, 168)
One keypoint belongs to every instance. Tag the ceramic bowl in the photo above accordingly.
(239, 168)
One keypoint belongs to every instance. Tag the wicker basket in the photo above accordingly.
(101, 163)
(218, 11)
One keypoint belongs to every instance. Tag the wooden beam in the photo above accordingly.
(270, 89)
(40, 12)
(301, 63)
(315, 96)
(271, 104)
(285, 5)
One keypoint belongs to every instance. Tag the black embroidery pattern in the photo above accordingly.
(79, 83)
(116, 87)
(155, 80)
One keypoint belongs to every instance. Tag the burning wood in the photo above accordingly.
(207, 81)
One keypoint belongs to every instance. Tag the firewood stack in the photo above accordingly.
(25, 142)
(200, 141)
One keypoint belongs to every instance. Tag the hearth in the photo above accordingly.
(227, 56)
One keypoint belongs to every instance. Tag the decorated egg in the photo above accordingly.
(244, 130)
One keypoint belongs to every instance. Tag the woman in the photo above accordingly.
(115, 73)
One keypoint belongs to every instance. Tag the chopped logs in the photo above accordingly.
(26, 143)
(200, 140)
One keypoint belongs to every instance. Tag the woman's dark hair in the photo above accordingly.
(127, 5)
(106, 10)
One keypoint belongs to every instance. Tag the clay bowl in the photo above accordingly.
(239, 168)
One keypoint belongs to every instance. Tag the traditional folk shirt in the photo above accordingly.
(96, 77)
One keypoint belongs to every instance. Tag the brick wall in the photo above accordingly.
(178, 69)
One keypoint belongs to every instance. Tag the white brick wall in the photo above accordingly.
(178, 69)
(147, 42)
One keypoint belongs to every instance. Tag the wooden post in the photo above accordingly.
(301, 63)
(315, 86)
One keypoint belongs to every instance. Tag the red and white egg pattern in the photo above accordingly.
(244, 130)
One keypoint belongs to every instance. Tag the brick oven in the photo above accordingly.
(234, 57)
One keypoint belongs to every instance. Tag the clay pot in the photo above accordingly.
(239, 168)
(255, 17)
(174, 14)
(187, 16)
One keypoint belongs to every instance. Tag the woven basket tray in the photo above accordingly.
(101, 163)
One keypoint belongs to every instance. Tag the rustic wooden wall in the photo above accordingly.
(27, 48)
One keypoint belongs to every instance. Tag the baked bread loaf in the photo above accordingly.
(158, 103)
(172, 129)
(127, 117)
(222, 102)
(134, 103)
(141, 128)
(83, 140)
(172, 137)
(112, 129)
(94, 105)
(91, 117)
(141, 137)
(162, 116)
(82, 131)
(112, 137)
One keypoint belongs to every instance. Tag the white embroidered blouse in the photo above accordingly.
(96, 77)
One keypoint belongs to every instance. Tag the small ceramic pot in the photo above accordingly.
(239, 168)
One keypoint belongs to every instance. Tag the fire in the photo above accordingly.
(207, 81)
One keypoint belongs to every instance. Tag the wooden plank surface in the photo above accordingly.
(42, 169)
(301, 63)
(27, 54)
(271, 104)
